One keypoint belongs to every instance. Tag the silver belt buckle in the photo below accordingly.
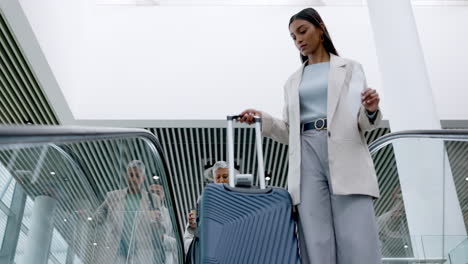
(323, 124)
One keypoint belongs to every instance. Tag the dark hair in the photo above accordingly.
(313, 17)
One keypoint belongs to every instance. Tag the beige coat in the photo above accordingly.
(110, 217)
(351, 167)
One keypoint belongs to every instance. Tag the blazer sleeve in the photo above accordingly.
(189, 234)
(277, 129)
(103, 210)
(364, 122)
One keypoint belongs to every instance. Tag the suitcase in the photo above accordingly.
(246, 224)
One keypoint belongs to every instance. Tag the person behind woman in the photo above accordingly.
(331, 177)
(220, 174)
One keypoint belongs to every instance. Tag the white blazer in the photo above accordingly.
(351, 167)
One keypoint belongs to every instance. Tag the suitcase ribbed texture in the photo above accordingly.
(239, 227)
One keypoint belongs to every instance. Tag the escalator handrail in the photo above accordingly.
(439, 134)
(66, 134)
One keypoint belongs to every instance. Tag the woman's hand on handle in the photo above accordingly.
(370, 100)
(247, 116)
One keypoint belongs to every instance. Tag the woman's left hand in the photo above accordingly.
(370, 100)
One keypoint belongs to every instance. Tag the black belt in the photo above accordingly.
(319, 124)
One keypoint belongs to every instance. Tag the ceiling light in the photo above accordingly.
(156, 177)
(89, 218)
(64, 219)
(405, 246)
(52, 173)
(466, 179)
(94, 244)
(267, 178)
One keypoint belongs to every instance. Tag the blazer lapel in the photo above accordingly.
(294, 94)
(336, 78)
(120, 199)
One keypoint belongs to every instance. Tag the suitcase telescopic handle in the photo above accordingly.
(258, 141)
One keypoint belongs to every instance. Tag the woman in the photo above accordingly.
(328, 107)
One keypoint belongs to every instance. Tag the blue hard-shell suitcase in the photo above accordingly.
(245, 225)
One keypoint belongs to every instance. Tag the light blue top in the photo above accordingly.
(313, 91)
(132, 205)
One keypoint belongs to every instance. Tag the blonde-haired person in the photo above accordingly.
(331, 177)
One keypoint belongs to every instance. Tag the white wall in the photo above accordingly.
(200, 63)
(60, 28)
(205, 62)
(444, 38)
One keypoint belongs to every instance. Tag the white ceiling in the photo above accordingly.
(267, 2)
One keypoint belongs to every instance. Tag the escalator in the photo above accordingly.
(64, 197)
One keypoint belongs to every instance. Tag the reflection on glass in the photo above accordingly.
(390, 210)
(459, 255)
(58, 248)
(393, 229)
(102, 203)
(433, 175)
(134, 226)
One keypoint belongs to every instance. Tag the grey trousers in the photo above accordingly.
(333, 229)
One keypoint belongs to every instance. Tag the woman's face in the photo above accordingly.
(222, 175)
(306, 36)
